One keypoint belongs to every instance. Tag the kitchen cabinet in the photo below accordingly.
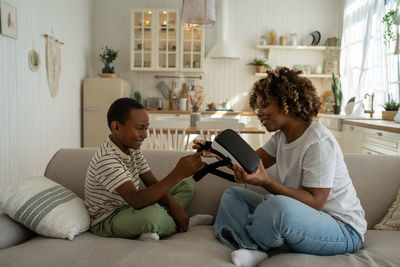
(159, 42)
(142, 36)
(192, 48)
(360, 139)
(380, 142)
(352, 139)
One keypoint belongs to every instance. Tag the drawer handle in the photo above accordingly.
(89, 109)
(379, 134)
(351, 128)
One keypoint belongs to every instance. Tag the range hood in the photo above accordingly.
(222, 49)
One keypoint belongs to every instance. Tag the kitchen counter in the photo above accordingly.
(242, 113)
(390, 126)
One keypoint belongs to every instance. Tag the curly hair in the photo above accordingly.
(295, 95)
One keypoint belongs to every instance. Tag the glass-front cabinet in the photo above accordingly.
(142, 40)
(160, 43)
(167, 52)
(192, 48)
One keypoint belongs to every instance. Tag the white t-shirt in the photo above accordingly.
(316, 160)
(110, 168)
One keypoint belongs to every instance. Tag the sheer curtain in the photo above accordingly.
(363, 56)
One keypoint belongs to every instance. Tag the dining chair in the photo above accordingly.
(210, 127)
(167, 133)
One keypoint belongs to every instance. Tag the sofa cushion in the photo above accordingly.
(380, 249)
(376, 179)
(197, 247)
(45, 207)
(392, 219)
(12, 233)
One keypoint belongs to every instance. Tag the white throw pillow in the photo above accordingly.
(392, 219)
(45, 207)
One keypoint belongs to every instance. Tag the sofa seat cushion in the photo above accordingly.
(197, 247)
(381, 248)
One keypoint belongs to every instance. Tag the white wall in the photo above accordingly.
(247, 21)
(34, 125)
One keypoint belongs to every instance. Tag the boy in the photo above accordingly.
(116, 206)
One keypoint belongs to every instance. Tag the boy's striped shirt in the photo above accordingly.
(108, 169)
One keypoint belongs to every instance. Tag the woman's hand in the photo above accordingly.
(260, 177)
(206, 152)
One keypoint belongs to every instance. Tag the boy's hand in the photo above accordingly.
(181, 219)
(189, 165)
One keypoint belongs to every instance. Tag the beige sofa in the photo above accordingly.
(376, 179)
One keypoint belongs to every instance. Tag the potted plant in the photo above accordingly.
(261, 64)
(391, 18)
(391, 109)
(337, 93)
(107, 56)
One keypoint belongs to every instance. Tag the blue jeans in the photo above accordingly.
(249, 220)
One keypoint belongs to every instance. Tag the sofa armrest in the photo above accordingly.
(11, 232)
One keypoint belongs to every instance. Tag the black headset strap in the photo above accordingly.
(212, 168)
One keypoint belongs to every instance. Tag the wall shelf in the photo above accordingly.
(324, 76)
(295, 47)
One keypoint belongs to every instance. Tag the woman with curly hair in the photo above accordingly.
(312, 206)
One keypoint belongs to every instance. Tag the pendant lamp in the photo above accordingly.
(201, 12)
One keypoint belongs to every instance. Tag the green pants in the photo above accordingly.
(127, 222)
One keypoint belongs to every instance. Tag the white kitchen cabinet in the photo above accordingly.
(167, 40)
(142, 36)
(192, 48)
(351, 138)
(159, 42)
(380, 142)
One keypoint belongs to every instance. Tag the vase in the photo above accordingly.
(107, 69)
(194, 118)
(336, 109)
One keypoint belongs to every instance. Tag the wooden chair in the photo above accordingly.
(211, 127)
(167, 133)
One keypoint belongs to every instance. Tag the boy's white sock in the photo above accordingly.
(247, 257)
(200, 219)
(149, 236)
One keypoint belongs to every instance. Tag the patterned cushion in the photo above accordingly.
(392, 219)
(45, 207)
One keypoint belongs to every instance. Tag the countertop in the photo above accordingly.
(242, 113)
(390, 126)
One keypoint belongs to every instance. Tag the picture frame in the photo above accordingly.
(8, 20)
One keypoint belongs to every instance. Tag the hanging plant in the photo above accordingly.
(390, 19)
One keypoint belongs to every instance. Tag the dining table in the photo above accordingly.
(195, 130)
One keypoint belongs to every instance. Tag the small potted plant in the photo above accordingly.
(391, 109)
(107, 56)
(337, 93)
(261, 64)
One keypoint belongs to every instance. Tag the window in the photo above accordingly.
(367, 64)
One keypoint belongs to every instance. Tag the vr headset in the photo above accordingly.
(229, 146)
